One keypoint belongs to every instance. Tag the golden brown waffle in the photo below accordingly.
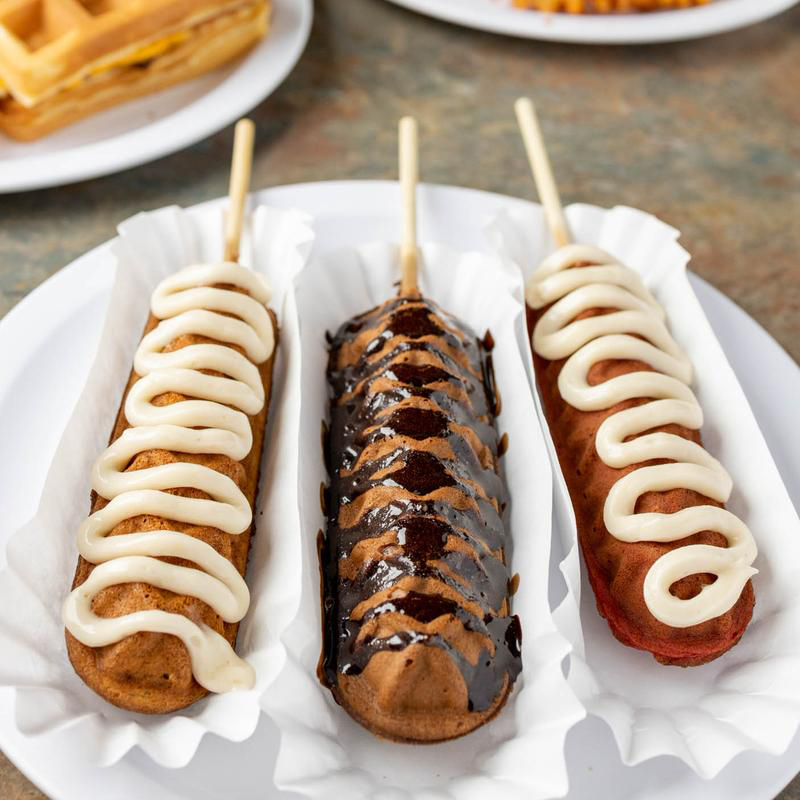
(61, 60)
(606, 6)
(151, 672)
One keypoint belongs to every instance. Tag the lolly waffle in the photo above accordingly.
(61, 60)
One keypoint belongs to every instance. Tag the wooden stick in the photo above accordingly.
(241, 164)
(409, 176)
(542, 172)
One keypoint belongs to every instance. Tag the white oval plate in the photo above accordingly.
(48, 341)
(157, 125)
(499, 16)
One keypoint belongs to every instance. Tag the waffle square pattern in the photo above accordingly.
(63, 59)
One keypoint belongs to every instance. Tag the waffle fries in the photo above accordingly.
(606, 6)
(62, 60)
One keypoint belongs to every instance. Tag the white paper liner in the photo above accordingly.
(42, 555)
(749, 699)
(323, 753)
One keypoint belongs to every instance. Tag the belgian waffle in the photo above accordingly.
(61, 60)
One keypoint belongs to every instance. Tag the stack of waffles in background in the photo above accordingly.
(62, 60)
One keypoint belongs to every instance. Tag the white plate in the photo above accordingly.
(154, 126)
(498, 16)
(68, 308)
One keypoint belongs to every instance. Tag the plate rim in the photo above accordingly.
(163, 137)
(683, 24)
(51, 287)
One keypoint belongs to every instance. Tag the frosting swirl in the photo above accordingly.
(195, 301)
(634, 328)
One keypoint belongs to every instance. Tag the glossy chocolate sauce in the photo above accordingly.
(412, 453)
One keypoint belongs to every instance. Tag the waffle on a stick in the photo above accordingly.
(420, 641)
(63, 60)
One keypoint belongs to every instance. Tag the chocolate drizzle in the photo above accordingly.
(415, 503)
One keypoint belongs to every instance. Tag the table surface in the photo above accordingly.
(702, 134)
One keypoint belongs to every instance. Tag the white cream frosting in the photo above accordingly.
(636, 330)
(215, 422)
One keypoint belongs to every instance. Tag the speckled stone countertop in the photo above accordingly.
(702, 134)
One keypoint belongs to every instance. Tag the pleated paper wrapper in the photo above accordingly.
(323, 752)
(749, 699)
(42, 555)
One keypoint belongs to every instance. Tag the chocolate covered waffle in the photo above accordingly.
(419, 641)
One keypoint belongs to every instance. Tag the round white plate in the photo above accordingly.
(499, 16)
(47, 344)
(159, 124)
